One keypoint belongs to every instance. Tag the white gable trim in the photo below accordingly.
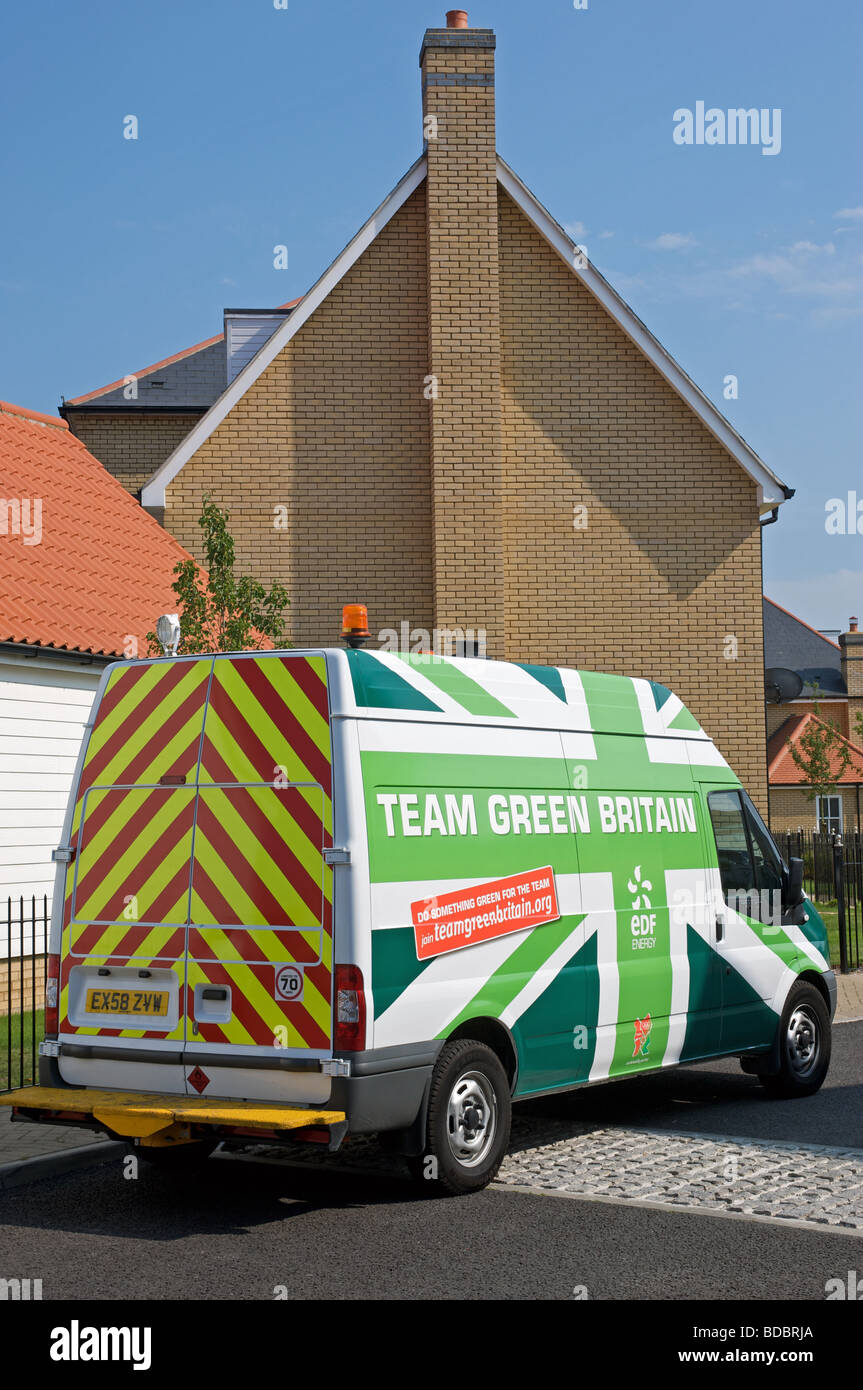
(771, 491)
(153, 491)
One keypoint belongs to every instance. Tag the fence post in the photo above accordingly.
(839, 887)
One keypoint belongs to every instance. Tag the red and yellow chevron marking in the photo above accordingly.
(258, 849)
(258, 1017)
(267, 713)
(118, 943)
(149, 726)
(129, 885)
(133, 856)
(258, 857)
(233, 877)
(228, 944)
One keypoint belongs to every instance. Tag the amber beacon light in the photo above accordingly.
(355, 624)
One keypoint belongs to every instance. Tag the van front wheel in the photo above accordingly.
(804, 1045)
(468, 1121)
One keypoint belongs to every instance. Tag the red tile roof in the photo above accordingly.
(782, 770)
(101, 569)
(165, 362)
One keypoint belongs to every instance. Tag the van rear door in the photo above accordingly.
(259, 956)
(127, 888)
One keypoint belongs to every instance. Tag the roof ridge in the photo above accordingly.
(34, 416)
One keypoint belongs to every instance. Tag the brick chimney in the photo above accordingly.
(457, 66)
(851, 644)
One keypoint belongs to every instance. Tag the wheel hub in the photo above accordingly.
(802, 1041)
(471, 1119)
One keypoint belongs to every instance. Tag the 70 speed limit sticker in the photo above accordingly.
(289, 982)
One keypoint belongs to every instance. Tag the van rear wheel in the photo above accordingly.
(468, 1120)
(804, 1045)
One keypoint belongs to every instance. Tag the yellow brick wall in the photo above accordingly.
(131, 446)
(790, 810)
(464, 338)
(21, 982)
(336, 431)
(669, 565)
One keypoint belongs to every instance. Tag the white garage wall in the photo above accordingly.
(44, 704)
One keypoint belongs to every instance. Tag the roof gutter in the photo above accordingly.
(31, 651)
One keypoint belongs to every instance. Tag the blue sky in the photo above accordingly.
(260, 126)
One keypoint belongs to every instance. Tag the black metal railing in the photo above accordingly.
(833, 878)
(24, 928)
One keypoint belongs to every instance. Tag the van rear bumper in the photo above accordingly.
(387, 1087)
(385, 1090)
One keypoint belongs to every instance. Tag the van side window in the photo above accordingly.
(732, 842)
(769, 869)
(749, 863)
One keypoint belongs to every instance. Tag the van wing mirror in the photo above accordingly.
(794, 889)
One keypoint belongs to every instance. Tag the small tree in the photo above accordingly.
(821, 754)
(219, 611)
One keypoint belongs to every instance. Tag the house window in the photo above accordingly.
(828, 814)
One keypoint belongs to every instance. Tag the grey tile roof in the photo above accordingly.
(791, 643)
(193, 381)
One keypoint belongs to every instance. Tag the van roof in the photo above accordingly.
(425, 688)
(475, 690)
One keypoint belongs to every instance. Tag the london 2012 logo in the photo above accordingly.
(642, 1035)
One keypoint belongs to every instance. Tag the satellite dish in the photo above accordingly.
(781, 685)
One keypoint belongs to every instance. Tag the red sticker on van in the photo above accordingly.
(452, 920)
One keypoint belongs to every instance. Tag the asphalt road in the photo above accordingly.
(240, 1229)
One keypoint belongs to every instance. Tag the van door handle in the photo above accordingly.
(720, 928)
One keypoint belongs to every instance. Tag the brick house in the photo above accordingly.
(465, 427)
(832, 678)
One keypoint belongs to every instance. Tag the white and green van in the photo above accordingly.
(314, 894)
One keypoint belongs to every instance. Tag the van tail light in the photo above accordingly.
(350, 1033)
(52, 997)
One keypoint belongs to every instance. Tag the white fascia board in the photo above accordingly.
(153, 491)
(771, 490)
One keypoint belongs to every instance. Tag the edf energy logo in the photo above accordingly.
(643, 921)
(642, 1036)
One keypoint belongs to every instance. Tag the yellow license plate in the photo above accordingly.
(149, 1003)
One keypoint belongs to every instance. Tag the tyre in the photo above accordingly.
(804, 1045)
(468, 1120)
(176, 1158)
